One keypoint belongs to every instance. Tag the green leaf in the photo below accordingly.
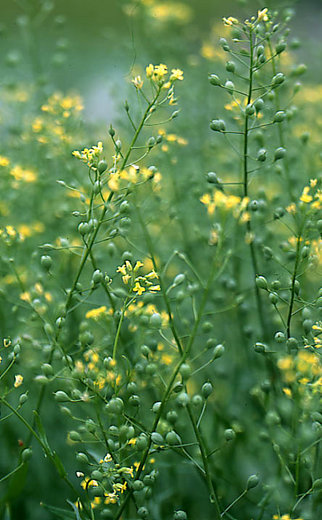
(42, 435)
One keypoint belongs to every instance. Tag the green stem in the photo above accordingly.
(291, 304)
(245, 185)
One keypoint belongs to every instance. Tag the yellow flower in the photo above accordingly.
(138, 289)
(149, 71)
(18, 380)
(4, 161)
(94, 313)
(176, 74)
(137, 82)
(305, 197)
(121, 269)
(230, 21)
(262, 15)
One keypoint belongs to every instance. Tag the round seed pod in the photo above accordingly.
(252, 482)
(207, 389)
(214, 80)
(180, 515)
(218, 125)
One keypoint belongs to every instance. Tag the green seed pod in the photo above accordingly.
(280, 337)
(156, 321)
(97, 276)
(224, 44)
(75, 436)
(61, 396)
(214, 80)
(207, 389)
(253, 205)
(273, 298)
(26, 454)
(151, 369)
(96, 475)
(134, 400)
(179, 279)
(47, 369)
(42, 379)
(261, 282)
(46, 262)
(185, 370)
(230, 66)
(172, 416)
(172, 438)
(82, 457)
(279, 153)
(118, 145)
(305, 252)
(259, 104)
(156, 406)
(299, 70)
(116, 406)
(218, 125)
(151, 142)
(229, 435)
(174, 114)
(278, 79)
(23, 398)
(260, 348)
(279, 116)
(260, 50)
(143, 512)
(197, 400)
(280, 47)
(102, 166)
(262, 155)
(250, 110)
(83, 228)
(218, 351)
(180, 515)
(292, 343)
(157, 438)
(141, 442)
(182, 399)
(276, 285)
(252, 482)
(230, 86)
(137, 485)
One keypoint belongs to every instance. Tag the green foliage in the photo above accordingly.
(161, 325)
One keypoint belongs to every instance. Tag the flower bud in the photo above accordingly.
(26, 454)
(218, 351)
(230, 86)
(61, 396)
(180, 515)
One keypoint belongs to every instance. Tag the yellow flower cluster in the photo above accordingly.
(133, 175)
(312, 196)
(227, 202)
(305, 369)
(90, 156)
(20, 174)
(58, 104)
(159, 74)
(138, 284)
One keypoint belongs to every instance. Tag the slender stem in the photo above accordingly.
(245, 185)
(290, 309)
